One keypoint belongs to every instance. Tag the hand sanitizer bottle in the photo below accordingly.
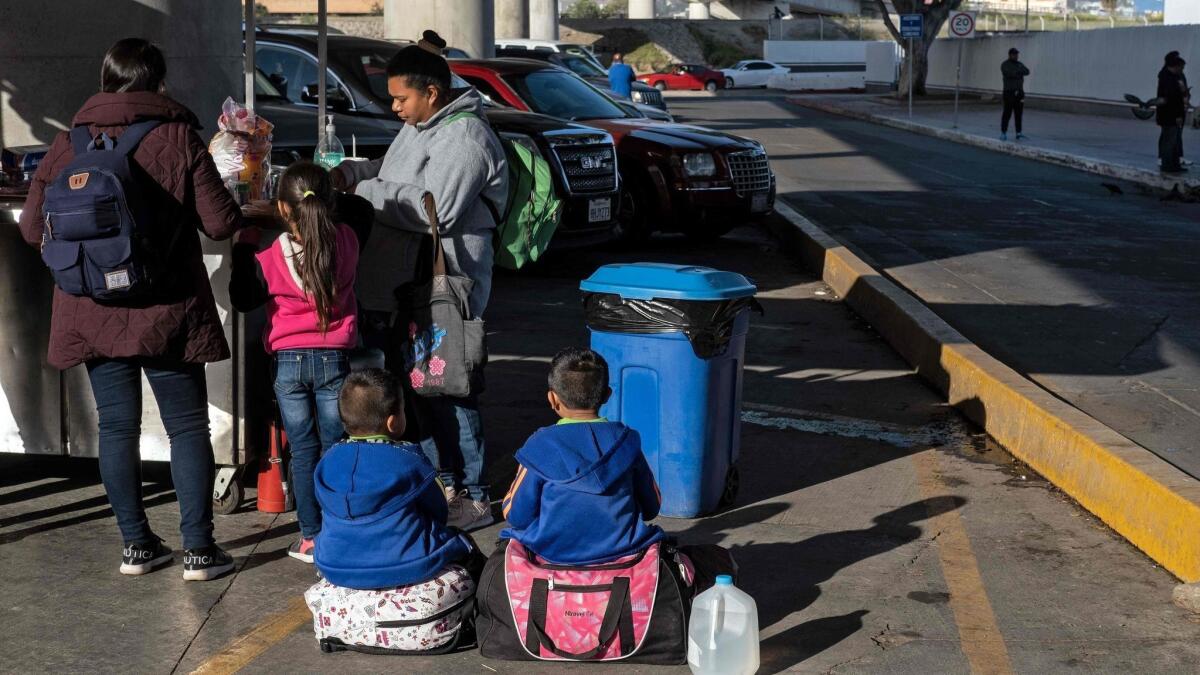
(330, 151)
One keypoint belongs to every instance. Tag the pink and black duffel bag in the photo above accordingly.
(634, 609)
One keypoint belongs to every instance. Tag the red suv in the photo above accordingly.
(685, 76)
(674, 177)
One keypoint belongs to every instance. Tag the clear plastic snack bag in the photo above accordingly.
(242, 150)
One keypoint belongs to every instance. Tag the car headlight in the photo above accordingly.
(699, 164)
(636, 96)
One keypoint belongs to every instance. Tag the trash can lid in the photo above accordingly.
(648, 281)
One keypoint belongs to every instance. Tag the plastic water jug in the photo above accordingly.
(723, 635)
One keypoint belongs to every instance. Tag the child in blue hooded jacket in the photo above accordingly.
(383, 508)
(583, 492)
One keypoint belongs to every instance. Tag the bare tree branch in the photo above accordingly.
(887, 21)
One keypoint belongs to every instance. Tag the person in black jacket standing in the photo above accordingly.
(1014, 73)
(1171, 110)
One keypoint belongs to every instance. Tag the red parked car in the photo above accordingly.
(685, 76)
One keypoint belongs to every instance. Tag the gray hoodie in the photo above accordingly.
(458, 161)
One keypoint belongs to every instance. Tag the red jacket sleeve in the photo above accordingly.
(32, 223)
(220, 216)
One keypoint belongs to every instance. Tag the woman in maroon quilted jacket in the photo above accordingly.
(169, 337)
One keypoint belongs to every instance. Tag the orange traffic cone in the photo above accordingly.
(272, 485)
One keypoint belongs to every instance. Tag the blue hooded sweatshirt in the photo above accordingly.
(383, 516)
(582, 494)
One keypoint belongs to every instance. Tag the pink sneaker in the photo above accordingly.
(302, 550)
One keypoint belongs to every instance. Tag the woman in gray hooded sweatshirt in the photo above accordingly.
(459, 159)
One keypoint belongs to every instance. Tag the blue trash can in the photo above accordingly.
(675, 341)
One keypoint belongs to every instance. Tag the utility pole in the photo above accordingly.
(1026, 16)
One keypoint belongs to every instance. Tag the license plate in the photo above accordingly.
(599, 210)
(758, 202)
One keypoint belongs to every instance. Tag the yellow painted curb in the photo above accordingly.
(1148, 501)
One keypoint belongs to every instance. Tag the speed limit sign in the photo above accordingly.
(962, 25)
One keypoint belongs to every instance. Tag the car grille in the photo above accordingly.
(751, 171)
(588, 168)
(653, 97)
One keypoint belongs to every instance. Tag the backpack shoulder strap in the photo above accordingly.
(491, 206)
(128, 141)
(81, 138)
(462, 114)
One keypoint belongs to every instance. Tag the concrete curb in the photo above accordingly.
(1132, 174)
(1148, 501)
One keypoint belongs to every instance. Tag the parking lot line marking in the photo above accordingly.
(244, 650)
(978, 632)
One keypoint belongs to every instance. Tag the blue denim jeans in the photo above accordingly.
(307, 384)
(451, 433)
(182, 395)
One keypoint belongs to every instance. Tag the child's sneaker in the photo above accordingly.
(302, 550)
(467, 514)
(202, 564)
(138, 559)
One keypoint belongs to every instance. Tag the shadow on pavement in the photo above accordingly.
(794, 646)
(167, 496)
(785, 577)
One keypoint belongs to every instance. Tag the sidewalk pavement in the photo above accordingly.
(877, 531)
(1123, 148)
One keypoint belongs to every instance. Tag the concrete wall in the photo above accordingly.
(641, 9)
(882, 58)
(465, 24)
(758, 10)
(512, 18)
(543, 19)
(1177, 12)
(813, 52)
(1086, 66)
(50, 56)
(817, 81)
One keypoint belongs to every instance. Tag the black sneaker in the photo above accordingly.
(138, 559)
(202, 564)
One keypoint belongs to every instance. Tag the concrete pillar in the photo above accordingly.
(512, 18)
(641, 9)
(50, 56)
(465, 24)
(698, 11)
(543, 19)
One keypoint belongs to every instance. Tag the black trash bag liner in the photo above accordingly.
(708, 324)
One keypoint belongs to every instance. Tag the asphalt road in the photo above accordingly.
(877, 531)
(1091, 290)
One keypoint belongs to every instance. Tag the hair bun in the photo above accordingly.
(434, 39)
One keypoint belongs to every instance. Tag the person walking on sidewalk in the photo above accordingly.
(1169, 115)
(1014, 73)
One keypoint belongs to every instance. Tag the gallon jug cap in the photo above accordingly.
(724, 580)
